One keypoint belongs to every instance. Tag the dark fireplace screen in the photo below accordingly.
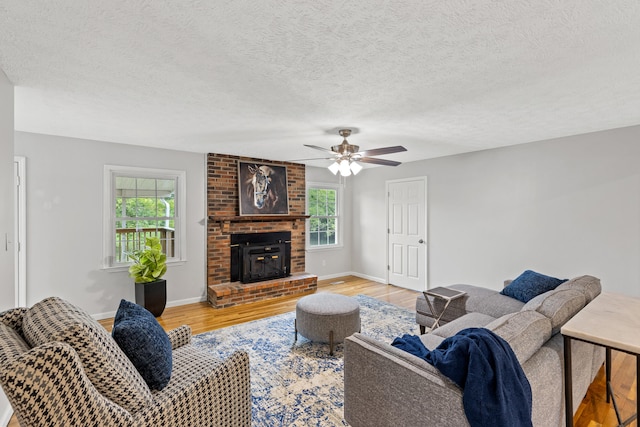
(260, 256)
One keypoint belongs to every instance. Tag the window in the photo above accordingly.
(140, 203)
(323, 205)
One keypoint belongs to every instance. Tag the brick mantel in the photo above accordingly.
(224, 222)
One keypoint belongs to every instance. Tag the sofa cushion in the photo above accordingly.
(431, 341)
(11, 344)
(487, 301)
(470, 320)
(529, 285)
(143, 340)
(590, 286)
(108, 368)
(495, 306)
(525, 331)
(558, 305)
(13, 318)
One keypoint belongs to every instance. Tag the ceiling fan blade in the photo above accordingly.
(315, 158)
(381, 151)
(378, 161)
(315, 147)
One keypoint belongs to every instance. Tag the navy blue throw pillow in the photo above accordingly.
(529, 285)
(145, 343)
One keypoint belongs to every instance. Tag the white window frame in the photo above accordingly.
(339, 214)
(109, 218)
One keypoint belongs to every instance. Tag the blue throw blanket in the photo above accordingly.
(495, 391)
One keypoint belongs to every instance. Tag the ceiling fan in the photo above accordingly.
(346, 156)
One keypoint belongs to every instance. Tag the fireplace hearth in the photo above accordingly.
(260, 256)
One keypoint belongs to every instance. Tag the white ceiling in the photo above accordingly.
(262, 78)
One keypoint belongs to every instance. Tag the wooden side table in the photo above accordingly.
(446, 294)
(611, 321)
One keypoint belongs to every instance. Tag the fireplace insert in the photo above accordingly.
(260, 256)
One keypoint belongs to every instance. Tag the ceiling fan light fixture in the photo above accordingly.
(334, 167)
(344, 168)
(355, 167)
(347, 157)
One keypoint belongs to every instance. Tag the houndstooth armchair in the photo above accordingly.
(60, 367)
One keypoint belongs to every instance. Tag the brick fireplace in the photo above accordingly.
(224, 220)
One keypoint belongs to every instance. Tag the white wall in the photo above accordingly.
(327, 263)
(7, 286)
(64, 221)
(563, 207)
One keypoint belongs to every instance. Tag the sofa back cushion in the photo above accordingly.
(525, 331)
(11, 344)
(13, 318)
(558, 305)
(108, 368)
(469, 320)
(589, 286)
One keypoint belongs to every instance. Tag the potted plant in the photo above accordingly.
(149, 265)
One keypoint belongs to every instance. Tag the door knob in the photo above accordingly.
(420, 241)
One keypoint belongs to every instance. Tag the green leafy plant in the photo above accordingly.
(149, 264)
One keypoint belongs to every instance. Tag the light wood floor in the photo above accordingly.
(593, 412)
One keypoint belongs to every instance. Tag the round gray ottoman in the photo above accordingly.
(327, 318)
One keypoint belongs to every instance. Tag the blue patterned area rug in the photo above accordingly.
(299, 384)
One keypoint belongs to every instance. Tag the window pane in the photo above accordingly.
(331, 202)
(331, 230)
(313, 209)
(322, 237)
(313, 239)
(322, 202)
(146, 187)
(322, 226)
(166, 188)
(125, 186)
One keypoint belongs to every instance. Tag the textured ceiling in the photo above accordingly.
(262, 78)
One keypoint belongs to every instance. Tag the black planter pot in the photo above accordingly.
(152, 296)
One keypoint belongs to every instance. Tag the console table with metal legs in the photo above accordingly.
(613, 322)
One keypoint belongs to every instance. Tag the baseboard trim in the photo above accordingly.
(109, 314)
(333, 276)
(187, 301)
(353, 273)
(372, 278)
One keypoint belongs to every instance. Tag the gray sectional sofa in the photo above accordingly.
(385, 386)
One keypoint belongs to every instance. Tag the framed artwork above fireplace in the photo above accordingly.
(262, 189)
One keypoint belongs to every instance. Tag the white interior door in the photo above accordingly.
(407, 233)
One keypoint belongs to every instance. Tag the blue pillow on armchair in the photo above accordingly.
(145, 343)
(529, 285)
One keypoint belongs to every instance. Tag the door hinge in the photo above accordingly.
(388, 267)
(388, 231)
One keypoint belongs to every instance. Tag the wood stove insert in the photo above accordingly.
(260, 256)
